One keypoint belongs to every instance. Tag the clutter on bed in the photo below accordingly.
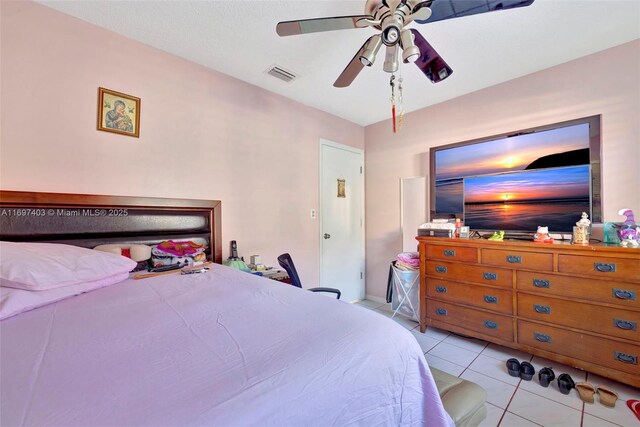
(200, 268)
(170, 253)
(138, 253)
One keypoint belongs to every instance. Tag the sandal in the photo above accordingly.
(545, 376)
(608, 397)
(634, 405)
(526, 371)
(513, 366)
(586, 391)
(565, 383)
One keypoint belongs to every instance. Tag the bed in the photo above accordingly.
(223, 348)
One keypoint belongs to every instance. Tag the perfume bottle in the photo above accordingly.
(458, 225)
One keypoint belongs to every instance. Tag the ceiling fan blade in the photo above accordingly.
(430, 62)
(306, 26)
(418, 11)
(352, 70)
(448, 9)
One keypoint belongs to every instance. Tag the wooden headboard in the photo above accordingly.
(89, 220)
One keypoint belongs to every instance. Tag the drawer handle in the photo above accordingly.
(542, 337)
(490, 299)
(541, 283)
(543, 309)
(441, 269)
(491, 325)
(625, 324)
(514, 259)
(441, 311)
(490, 276)
(449, 252)
(604, 267)
(625, 358)
(624, 294)
(441, 289)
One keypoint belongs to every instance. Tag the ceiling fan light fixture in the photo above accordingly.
(410, 52)
(410, 55)
(368, 57)
(391, 59)
(391, 34)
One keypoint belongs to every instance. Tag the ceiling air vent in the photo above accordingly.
(281, 73)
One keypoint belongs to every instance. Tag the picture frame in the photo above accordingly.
(342, 188)
(118, 112)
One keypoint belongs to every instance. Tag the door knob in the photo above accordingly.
(327, 235)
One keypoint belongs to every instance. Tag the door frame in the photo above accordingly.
(321, 195)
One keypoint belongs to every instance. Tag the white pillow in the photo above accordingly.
(16, 301)
(42, 266)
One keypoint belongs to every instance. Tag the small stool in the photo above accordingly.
(462, 399)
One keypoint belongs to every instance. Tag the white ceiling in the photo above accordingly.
(238, 38)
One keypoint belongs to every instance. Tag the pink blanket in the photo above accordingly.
(223, 348)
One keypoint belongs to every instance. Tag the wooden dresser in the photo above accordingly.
(577, 305)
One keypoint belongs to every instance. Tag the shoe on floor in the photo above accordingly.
(586, 391)
(565, 383)
(513, 366)
(526, 371)
(608, 397)
(545, 376)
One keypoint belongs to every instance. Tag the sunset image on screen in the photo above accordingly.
(526, 199)
(509, 154)
(544, 150)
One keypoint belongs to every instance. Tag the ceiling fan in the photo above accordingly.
(391, 17)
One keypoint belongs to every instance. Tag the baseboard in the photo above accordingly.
(376, 299)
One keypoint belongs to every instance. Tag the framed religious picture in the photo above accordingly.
(118, 112)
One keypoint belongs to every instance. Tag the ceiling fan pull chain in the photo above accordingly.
(401, 107)
(393, 101)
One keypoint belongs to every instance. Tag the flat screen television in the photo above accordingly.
(543, 176)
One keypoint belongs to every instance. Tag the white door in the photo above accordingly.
(342, 219)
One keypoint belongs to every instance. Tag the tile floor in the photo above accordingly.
(512, 402)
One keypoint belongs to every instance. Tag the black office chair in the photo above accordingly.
(286, 262)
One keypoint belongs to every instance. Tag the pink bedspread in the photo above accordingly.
(220, 349)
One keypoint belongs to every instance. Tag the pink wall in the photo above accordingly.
(605, 83)
(204, 135)
(236, 138)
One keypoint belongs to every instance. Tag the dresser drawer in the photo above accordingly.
(491, 324)
(607, 291)
(452, 253)
(471, 273)
(593, 318)
(601, 351)
(606, 268)
(517, 259)
(493, 299)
